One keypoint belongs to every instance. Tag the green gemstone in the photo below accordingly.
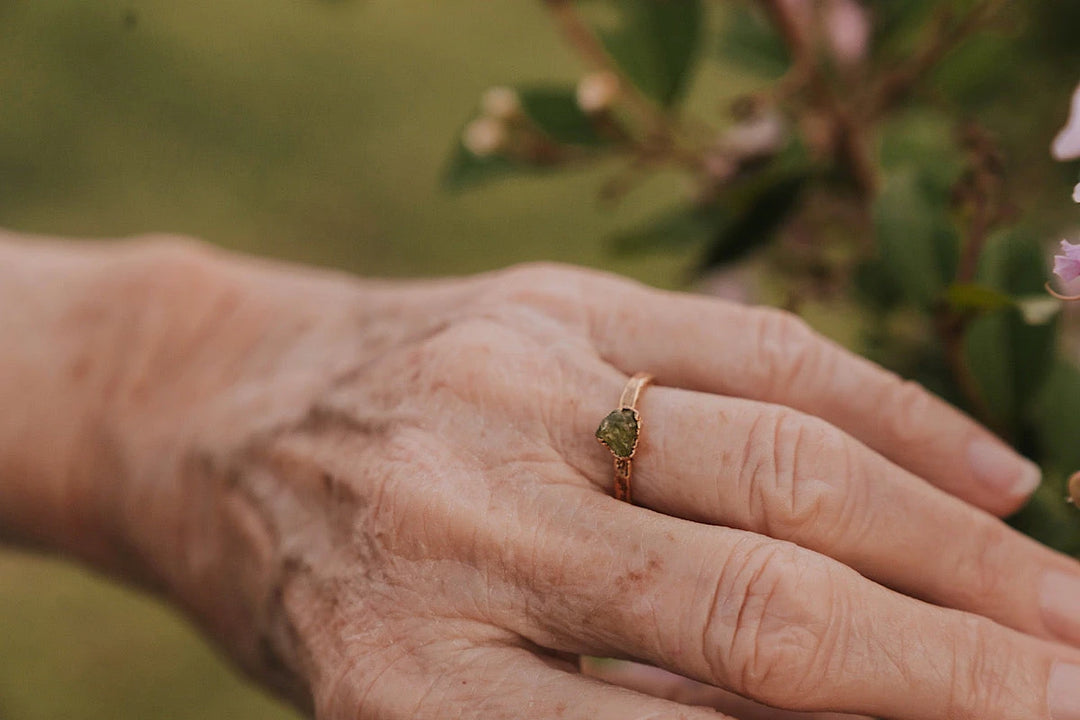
(619, 431)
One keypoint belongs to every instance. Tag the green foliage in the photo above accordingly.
(555, 113)
(656, 44)
(1008, 357)
(1055, 423)
(749, 42)
(753, 218)
(745, 218)
(889, 181)
(923, 141)
(1055, 418)
(976, 297)
(897, 24)
(466, 170)
(678, 228)
(916, 238)
(973, 297)
(1049, 519)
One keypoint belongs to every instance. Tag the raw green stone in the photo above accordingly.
(619, 431)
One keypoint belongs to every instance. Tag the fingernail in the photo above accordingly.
(1064, 692)
(1059, 596)
(1001, 468)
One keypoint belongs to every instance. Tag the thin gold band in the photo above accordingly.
(632, 391)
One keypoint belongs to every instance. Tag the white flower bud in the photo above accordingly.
(1074, 488)
(1067, 143)
(1076, 193)
(484, 136)
(757, 136)
(597, 92)
(501, 102)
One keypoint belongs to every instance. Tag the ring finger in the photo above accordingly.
(791, 476)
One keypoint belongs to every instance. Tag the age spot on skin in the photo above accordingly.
(80, 368)
(634, 580)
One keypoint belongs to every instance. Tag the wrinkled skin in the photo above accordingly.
(386, 501)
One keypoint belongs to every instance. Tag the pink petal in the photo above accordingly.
(1067, 143)
(847, 27)
(1067, 262)
(1070, 250)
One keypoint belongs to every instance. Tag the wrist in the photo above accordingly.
(64, 327)
(115, 373)
(91, 337)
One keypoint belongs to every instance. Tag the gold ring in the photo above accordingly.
(620, 431)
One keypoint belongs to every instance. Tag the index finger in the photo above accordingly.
(764, 354)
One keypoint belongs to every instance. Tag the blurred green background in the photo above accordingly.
(303, 129)
(316, 131)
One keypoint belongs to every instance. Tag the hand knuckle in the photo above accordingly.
(463, 355)
(979, 675)
(772, 629)
(547, 298)
(906, 406)
(544, 285)
(976, 580)
(797, 476)
(787, 351)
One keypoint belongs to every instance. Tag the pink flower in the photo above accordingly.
(1067, 143)
(844, 25)
(1067, 262)
(847, 28)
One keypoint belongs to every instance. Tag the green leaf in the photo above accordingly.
(898, 25)
(923, 140)
(1054, 419)
(743, 218)
(753, 221)
(874, 284)
(750, 41)
(1034, 309)
(675, 229)
(555, 112)
(988, 347)
(1010, 359)
(656, 44)
(1055, 415)
(1013, 262)
(465, 170)
(972, 296)
(1049, 519)
(917, 242)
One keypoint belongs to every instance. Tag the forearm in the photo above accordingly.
(103, 386)
(139, 384)
(63, 327)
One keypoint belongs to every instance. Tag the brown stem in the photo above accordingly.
(946, 35)
(790, 30)
(855, 155)
(985, 194)
(982, 189)
(950, 328)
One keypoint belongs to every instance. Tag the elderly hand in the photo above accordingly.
(387, 500)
